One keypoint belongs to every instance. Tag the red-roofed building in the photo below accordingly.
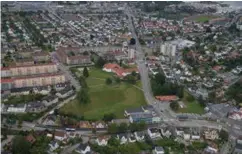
(166, 98)
(30, 138)
(119, 71)
(217, 68)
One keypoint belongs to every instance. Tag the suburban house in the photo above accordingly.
(35, 107)
(211, 134)
(99, 124)
(238, 146)
(154, 133)
(123, 138)
(84, 124)
(53, 145)
(49, 100)
(18, 108)
(149, 109)
(211, 149)
(30, 138)
(139, 136)
(183, 132)
(166, 132)
(158, 150)
(66, 92)
(195, 134)
(132, 138)
(102, 140)
(58, 135)
(83, 149)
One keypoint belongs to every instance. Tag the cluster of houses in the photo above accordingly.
(119, 71)
(39, 105)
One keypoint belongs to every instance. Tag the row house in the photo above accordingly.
(29, 70)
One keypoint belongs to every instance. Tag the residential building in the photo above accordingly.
(84, 124)
(83, 149)
(18, 108)
(158, 150)
(238, 146)
(140, 136)
(102, 140)
(132, 138)
(154, 133)
(66, 92)
(53, 145)
(146, 117)
(167, 98)
(123, 138)
(41, 56)
(35, 107)
(166, 132)
(58, 135)
(195, 134)
(30, 138)
(99, 124)
(72, 56)
(25, 70)
(211, 134)
(49, 100)
(131, 53)
(168, 49)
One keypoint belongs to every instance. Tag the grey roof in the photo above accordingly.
(221, 110)
(50, 98)
(82, 146)
(15, 105)
(148, 107)
(159, 149)
(53, 142)
(65, 90)
(142, 133)
(238, 146)
(135, 110)
(144, 115)
(122, 135)
(154, 130)
(36, 104)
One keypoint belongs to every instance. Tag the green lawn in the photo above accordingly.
(105, 98)
(204, 18)
(139, 84)
(191, 107)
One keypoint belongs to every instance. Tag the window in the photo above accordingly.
(28, 71)
(19, 72)
(37, 70)
(46, 70)
(24, 83)
(34, 83)
(52, 80)
(43, 81)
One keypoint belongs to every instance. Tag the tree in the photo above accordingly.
(112, 128)
(83, 96)
(108, 117)
(130, 79)
(20, 145)
(190, 98)
(180, 92)
(133, 127)
(85, 72)
(223, 135)
(133, 73)
(174, 105)
(100, 62)
(132, 41)
(83, 82)
(109, 81)
(117, 80)
(113, 142)
(123, 127)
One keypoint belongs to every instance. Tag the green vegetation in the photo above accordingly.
(192, 106)
(104, 98)
(123, 127)
(235, 92)
(21, 99)
(20, 145)
(204, 18)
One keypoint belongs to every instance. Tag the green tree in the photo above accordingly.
(123, 127)
(109, 81)
(83, 96)
(108, 117)
(130, 79)
(174, 105)
(112, 128)
(83, 82)
(133, 73)
(117, 80)
(190, 98)
(180, 92)
(223, 135)
(20, 145)
(100, 62)
(85, 72)
(113, 142)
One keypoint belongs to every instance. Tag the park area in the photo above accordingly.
(202, 18)
(190, 105)
(114, 98)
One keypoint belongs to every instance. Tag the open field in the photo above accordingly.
(191, 107)
(202, 18)
(105, 98)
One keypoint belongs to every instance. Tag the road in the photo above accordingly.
(66, 70)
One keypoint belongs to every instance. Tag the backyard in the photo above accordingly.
(113, 98)
(190, 106)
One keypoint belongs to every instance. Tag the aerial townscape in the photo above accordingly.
(120, 77)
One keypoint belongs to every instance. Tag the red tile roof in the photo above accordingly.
(60, 134)
(31, 65)
(166, 98)
(8, 80)
(30, 138)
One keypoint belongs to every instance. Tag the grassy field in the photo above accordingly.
(105, 98)
(204, 18)
(191, 107)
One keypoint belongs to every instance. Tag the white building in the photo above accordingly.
(131, 54)
(158, 150)
(20, 108)
(168, 49)
(102, 141)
